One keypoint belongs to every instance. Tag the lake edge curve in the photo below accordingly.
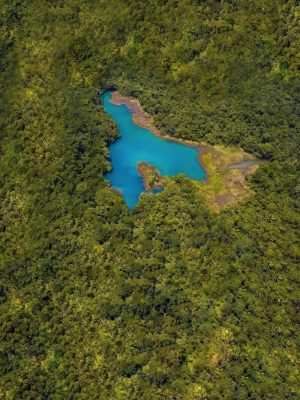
(144, 120)
(229, 166)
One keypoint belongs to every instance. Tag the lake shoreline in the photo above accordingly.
(226, 168)
(144, 120)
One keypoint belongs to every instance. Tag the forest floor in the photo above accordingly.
(226, 167)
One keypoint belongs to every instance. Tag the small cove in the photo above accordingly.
(137, 144)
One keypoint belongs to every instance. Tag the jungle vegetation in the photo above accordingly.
(168, 301)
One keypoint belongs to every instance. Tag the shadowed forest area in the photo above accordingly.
(167, 301)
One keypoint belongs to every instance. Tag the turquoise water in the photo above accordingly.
(138, 144)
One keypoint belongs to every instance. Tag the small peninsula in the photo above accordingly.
(151, 177)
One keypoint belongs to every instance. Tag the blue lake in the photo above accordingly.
(138, 144)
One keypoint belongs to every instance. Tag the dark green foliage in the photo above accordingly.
(168, 301)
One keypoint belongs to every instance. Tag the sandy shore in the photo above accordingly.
(139, 116)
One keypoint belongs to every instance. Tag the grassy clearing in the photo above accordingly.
(224, 187)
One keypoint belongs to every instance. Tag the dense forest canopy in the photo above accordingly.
(168, 301)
